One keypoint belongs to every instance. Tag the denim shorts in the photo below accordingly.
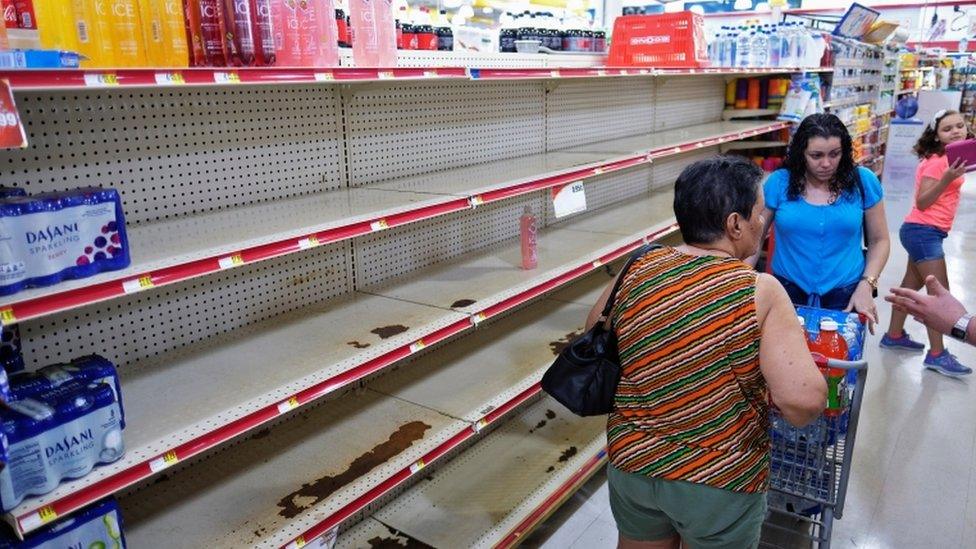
(923, 242)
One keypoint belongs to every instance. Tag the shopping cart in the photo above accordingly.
(810, 468)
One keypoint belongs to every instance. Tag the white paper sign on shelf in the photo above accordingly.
(569, 199)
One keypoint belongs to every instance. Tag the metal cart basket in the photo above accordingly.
(810, 468)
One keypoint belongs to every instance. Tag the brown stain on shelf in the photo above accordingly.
(461, 303)
(306, 278)
(389, 331)
(551, 469)
(557, 346)
(390, 543)
(311, 494)
(357, 344)
(567, 453)
(539, 425)
(550, 414)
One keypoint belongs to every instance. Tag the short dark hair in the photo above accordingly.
(708, 191)
(824, 125)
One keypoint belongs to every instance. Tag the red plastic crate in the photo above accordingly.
(666, 40)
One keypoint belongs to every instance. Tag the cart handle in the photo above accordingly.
(825, 362)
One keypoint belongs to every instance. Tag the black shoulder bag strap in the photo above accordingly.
(608, 306)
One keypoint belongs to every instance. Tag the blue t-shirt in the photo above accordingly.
(819, 248)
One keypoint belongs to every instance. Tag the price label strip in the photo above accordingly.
(12, 134)
(43, 516)
(164, 461)
(287, 405)
(417, 466)
(324, 77)
(170, 78)
(379, 225)
(231, 261)
(306, 243)
(227, 78)
(137, 284)
(569, 199)
(7, 317)
(101, 79)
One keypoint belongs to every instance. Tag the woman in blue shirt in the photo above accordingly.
(822, 205)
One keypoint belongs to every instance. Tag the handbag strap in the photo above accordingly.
(608, 306)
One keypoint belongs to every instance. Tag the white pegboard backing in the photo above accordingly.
(412, 128)
(607, 190)
(150, 323)
(585, 111)
(386, 255)
(177, 152)
(664, 172)
(688, 100)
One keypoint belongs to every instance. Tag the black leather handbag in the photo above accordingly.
(585, 375)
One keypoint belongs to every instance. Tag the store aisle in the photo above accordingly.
(913, 483)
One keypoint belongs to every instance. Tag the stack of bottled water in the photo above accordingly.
(779, 45)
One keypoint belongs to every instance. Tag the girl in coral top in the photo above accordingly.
(937, 190)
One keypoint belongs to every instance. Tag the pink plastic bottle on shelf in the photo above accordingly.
(263, 25)
(240, 32)
(386, 37)
(319, 35)
(527, 236)
(212, 31)
(365, 42)
(284, 18)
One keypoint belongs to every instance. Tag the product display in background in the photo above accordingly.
(50, 237)
(773, 45)
(552, 35)
(802, 99)
(756, 93)
(57, 433)
(98, 526)
(667, 40)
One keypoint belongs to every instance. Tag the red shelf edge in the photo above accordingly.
(552, 502)
(337, 518)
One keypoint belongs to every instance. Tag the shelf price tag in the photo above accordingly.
(554, 73)
(385, 75)
(417, 466)
(39, 518)
(170, 79)
(287, 405)
(231, 261)
(476, 201)
(101, 79)
(137, 284)
(227, 78)
(306, 243)
(479, 425)
(325, 541)
(478, 318)
(7, 316)
(601, 72)
(417, 346)
(12, 134)
(324, 76)
(430, 74)
(569, 199)
(164, 461)
(597, 264)
(379, 225)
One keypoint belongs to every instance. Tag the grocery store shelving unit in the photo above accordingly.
(294, 235)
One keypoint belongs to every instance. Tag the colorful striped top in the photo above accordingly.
(692, 403)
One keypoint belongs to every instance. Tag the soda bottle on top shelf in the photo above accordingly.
(831, 344)
(239, 33)
(194, 40)
(53, 21)
(264, 44)
(386, 32)
(318, 33)
(164, 31)
(126, 33)
(286, 38)
(365, 45)
(212, 31)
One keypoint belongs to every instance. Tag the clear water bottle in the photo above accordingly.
(759, 49)
(743, 45)
(775, 46)
(798, 49)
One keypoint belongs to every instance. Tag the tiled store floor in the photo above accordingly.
(913, 483)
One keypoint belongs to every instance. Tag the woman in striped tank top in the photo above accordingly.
(705, 343)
